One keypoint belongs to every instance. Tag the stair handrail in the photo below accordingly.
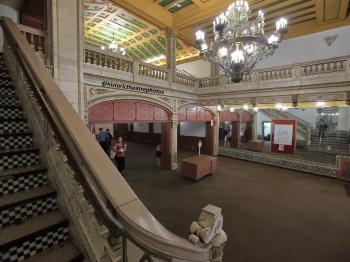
(98, 173)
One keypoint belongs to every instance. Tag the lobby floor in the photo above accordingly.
(270, 214)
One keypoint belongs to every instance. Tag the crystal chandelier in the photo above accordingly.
(239, 43)
(113, 47)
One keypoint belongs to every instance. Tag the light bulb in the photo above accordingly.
(199, 35)
(237, 56)
(223, 51)
(272, 39)
(232, 109)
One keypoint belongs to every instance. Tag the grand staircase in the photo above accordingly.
(31, 226)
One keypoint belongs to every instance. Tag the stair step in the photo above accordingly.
(13, 141)
(63, 252)
(9, 100)
(14, 126)
(18, 207)
(20, 179)
(19, 158)
(10, 113)
(6, 81)
(7, 91)
(39, 233)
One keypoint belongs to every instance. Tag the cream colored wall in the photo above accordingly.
(67, 30)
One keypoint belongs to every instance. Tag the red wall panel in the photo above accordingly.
(124, 111)
(191, 114)
(101, 113)
(144, 112)
(160, 114)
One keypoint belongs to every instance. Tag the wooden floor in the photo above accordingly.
(270, 214)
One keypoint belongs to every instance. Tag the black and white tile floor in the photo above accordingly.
(30, 224)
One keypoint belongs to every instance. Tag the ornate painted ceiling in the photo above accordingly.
(141, 39)
(141, 27)
(187, 16)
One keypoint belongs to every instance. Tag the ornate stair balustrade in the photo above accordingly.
(108, 196)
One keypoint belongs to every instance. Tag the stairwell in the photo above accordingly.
(334, 142)
(31, 225)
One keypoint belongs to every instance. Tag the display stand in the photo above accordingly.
(283, 136)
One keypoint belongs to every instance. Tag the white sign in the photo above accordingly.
(283, 135)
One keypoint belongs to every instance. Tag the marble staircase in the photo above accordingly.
(31, 225)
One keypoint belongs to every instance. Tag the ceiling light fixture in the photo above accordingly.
(239, 43)
(113, 47)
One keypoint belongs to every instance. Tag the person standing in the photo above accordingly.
(322, 128)
(120, 153)
(110, 140)
(103, 139)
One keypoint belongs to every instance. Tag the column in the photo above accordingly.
(174, 126)
(214, 69)
(216, 128)
(171, 54)
(254, 125)
(68, 49)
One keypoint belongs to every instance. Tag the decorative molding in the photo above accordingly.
(330, 39)
(307, 166)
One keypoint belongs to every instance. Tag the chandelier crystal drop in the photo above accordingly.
(239, 43)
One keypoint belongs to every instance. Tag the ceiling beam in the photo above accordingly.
(172, 4)
(329, 11)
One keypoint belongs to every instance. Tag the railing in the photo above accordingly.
(185, 80)
(35, 37)
(106, 188)
(325, 67)
(109, 60)
(209, 82)
(153, 72)
(275, 74)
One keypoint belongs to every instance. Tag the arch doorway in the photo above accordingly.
(229, 127)
(124, 114)
(196, 123)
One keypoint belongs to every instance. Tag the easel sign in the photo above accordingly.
(283, 136)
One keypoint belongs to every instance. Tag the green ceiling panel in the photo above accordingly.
(133, 20)
(144, 51)
(157, 46)
(153, 31)
(138, 53)
(162, 40)
(145, 34)
(133, 41)
(165, 2)
(106, 36)
(151, 49)
(118, 28)
(125, 25)
(109, 31)
(138, 38)
(180, 5)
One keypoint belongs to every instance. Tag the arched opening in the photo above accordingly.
(136, 121)
(196, 123)
(229, 131)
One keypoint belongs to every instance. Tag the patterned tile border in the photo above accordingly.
(307, 166)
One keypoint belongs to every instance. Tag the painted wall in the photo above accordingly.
(141, 127)
(196, 129)
(198, 69)
(310, 47)
(10, 12)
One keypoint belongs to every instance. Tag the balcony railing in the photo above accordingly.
(153, 72)
(106, 59)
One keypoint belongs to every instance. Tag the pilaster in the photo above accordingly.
(173, 128)
(171, 54)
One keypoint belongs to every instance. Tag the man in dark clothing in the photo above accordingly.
(110, 139)
(103, 140)
(322, 128)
